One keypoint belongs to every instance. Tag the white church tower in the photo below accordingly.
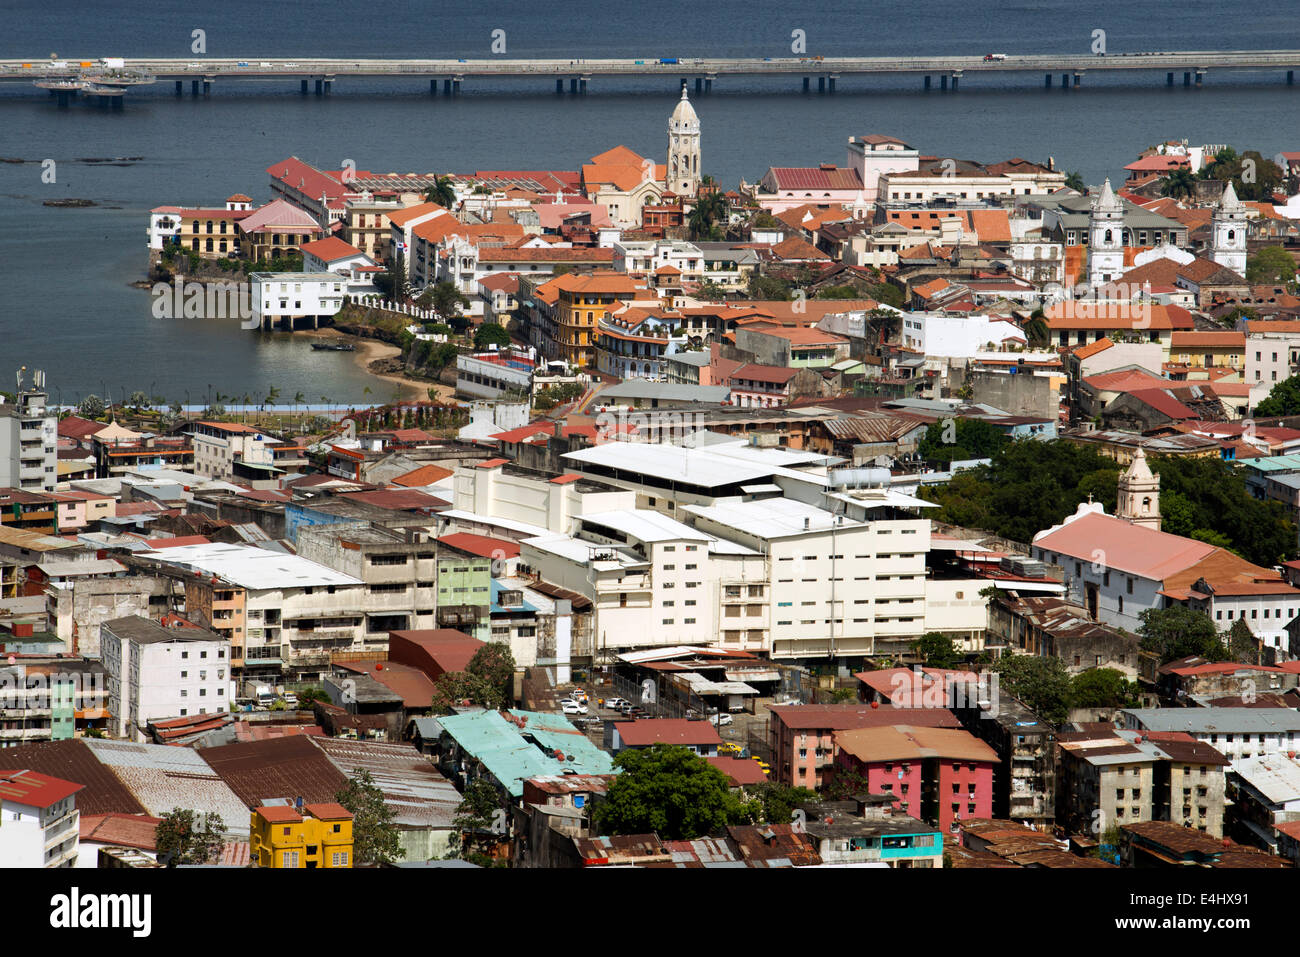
(1229, 228)
(684, 149)
(1139, 494)
(1105, 238)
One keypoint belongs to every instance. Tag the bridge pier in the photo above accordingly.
(1078, 79)
(1290, 77)
(821, 84)
(559, 86)
(573, 84)
(1187, 78)
(303, 88)
(943, 82)
(955, 78)
(433, 87)
(582, 85)
(329, 85)
(207, 86)
(1200, 77)
(831, 82)
(927, 82)
(1065, 81)
(1047, 81)
(455, 85)
(446, 87)
(708, 83)
(320, 86)
(179, 85)
(1169, 79)
(699, 85)
(805, 84)
(194, 87)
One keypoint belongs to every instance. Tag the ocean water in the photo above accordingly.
(66, 305)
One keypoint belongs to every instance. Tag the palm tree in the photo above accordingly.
(1075, 182)
(709, 209)
(298, 399)
(1179, 183)
(271, 396)
(1037, 331)
(443, 192)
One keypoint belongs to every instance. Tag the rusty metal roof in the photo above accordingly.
(104, 792)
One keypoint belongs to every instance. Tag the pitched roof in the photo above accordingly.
(400, 217)
(904, 742)
(1125, 547)
(823, 177)
(424, 475)
(279, 214)
(330, 249)
(482, 545)
(648, 731)
(33, 789)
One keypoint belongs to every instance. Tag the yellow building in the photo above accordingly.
(315, 835)
(583, 304)
(1209, 350)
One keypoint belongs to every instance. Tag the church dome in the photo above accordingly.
(684, 118)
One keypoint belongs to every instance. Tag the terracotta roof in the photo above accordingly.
(409, 683)
(401, 217)
(1073, 314)
(424, 475)
(1126, 547)
(904, 742)
(588, 254)
(754, 372)
(330, 249)
(1090, 350)
(279, 215)
(650, 731)
(482, 545)
(120, 830)
(844, 717)
(1208, 340)
(739, 772)
(823, 177)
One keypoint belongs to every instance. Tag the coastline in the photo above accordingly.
(368, 350)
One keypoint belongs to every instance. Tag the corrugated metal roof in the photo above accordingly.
(414, 789)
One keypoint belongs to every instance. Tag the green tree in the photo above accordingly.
(1178, 631)
(1282, 399)
(1037, 331)
(374, 835)
(670, 791)
(711, 291)
(479, 825)
(1252, 176)
(1075, 182)
(767, 287)
(937, 650)
(1041, 683)
(1179, 184)
(710, 209)
(447, 301)
(773, 803)
(765, 220)
(950, 439)
(182, 837)
(308, 695)
(1102, 688)
(490, 333)
(91, 407)
(487, 681)
(1243, 646)
(1272, 264)
(442, 192)
(138, 400)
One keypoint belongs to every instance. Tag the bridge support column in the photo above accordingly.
(805, 84)
(1290, 77)
(821, 84)
(699, 85)
(178, 86)
(943, 82)
(831, 82)
(455, 85)
(1065, 81)
(1047, 81)
(207, 86)
(1078, 79)
(582, 85)
(1187, 78)
(559, 86)
(329, 85)
(446, 87)
(303, 89)
(194, 87)
(320, 86)
(927, 81)
(573, 84)
(708, 83)
(955, 78)
(1200, 77)
(433, 87)
(1169, 79)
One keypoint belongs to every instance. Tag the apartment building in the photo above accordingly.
(283, 615)
(1237, 733)
(39, 820)
(157, 672)
(543, 499)
(303, 836)
(226, 450)
(28, 442)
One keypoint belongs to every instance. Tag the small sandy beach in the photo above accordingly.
(368, 350)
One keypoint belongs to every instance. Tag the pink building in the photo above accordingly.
(802, 737)
(934, 774)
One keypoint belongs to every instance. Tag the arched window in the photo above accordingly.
(1109, 236)
(1146, 504)
(1232, 234)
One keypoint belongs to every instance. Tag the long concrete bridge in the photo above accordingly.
(202, 73)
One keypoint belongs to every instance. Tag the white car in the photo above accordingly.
(616, 703)
(572, 707)
(721, 720)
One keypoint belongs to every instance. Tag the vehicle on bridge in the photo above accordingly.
(995, 56)
(668, 59)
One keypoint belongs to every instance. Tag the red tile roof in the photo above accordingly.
(120, 830)
(424, 475)
(33, 789)
(482, 545)
(815, 177)
(739, 772)
(650, 731)
(330, 249)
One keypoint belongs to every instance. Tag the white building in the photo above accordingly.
(1239, 734)
(875, 155)
(836, 583)
(644, 256)
(156, 672)
(1228, 243)
(224, 450)
(39, 820)
(491, 374)
(946, 337)
(28, 440)
(683, 176)
(287, 298)
(515, 494)
(1105, 238)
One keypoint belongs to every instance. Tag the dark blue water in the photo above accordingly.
(65, 305)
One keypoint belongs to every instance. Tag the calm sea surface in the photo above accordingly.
(65, 302)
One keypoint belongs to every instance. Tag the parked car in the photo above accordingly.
(290, 699)
(615, 703)
(727, 748)
(577, 706)
(721, 720)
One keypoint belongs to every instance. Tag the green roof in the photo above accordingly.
(508, 754)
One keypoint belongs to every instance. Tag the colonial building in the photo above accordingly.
(684, 149)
